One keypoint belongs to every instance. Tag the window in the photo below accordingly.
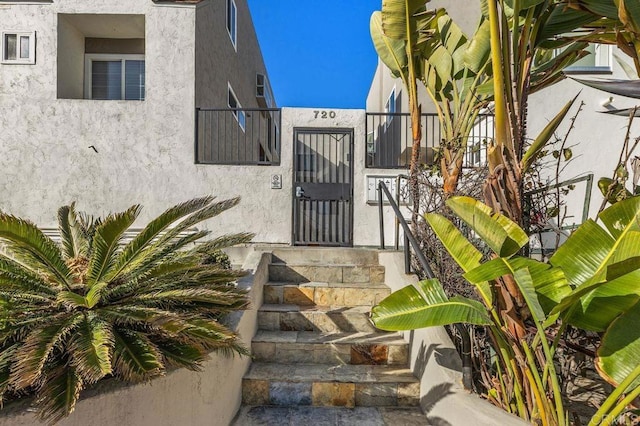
(599, 60)
(114, 77)
(18, 47)
(390, 108)
(263, 91)
(232, 22)
(235, 106)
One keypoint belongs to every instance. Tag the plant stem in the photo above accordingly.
(609, 403)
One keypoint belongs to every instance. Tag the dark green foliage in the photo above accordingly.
(95, 307)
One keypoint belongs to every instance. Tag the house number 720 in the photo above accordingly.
(324, 114)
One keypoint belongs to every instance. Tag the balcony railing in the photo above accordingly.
(238, 136)
(390, 140)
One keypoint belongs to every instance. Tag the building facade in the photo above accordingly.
(115, 103)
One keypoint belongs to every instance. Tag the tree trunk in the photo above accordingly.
(414, 171)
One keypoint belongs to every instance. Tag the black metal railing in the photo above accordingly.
(390, 139)
(411, 242)
(238, 136)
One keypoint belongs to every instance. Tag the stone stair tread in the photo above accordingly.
(328, 284)
(328, 264)
(343, 373)
(315, 308)
(328, 337)
(330, 416)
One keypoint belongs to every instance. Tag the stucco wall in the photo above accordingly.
(219, 63)
(144, 149)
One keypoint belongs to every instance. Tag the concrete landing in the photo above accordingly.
(330, 416)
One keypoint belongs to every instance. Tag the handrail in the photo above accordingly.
(409, 238)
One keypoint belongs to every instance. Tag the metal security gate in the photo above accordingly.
(323, 187)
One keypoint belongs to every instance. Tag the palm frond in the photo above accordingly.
(90, 348)
(146, 318)
(213, 336)
(224, 241)
(37, 348)
(157, 254)
(6, 359)
(186, 355)
(58, 395)
(135, 357)
(30, 247)
(75, 242)
(105, 243)
(136, 247)
(15, 276)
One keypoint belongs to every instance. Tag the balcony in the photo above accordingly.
(238, 136)
(390, 138)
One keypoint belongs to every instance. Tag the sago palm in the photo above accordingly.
(94, 307)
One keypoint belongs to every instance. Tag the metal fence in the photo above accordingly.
(390, 140)
(238, 136)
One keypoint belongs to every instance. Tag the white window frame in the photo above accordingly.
(388, 109)
(232, 19)
(236, 110)
(603, 58)
(32, 48)
(88, 68)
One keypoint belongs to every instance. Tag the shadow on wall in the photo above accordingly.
(445, 357)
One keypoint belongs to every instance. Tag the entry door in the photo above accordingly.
(323, 187)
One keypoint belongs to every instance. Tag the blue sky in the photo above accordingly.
(318, 53)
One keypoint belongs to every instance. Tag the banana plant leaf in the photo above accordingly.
(500, 233)
(628, 88)
(619, 352)
(461, 250)
(603, 267)
(410, 309)
(391, 52)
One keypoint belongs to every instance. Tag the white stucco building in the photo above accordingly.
(154, 102)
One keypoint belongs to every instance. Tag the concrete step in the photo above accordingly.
(329, 319)
(330, 416)
(325, 255)
(330, 385)
(337, 273)
(323, 293)
(359, 348)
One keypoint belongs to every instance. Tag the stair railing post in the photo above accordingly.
(381, 215)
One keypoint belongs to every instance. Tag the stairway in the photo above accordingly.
(317, 357)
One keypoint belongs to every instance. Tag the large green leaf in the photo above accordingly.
(619, 352)
(460, 249)
(584, 253)
(478, 52)
(619, 216)
(394, 17)
(392, 52)
(500, 233)
(408, 309)
(563, 20)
